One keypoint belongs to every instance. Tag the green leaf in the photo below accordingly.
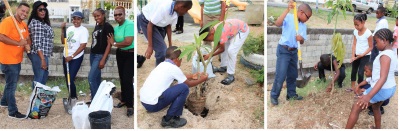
(190, 56)
(209, 24)
(201, 38)
(329, 3)
(218, 33)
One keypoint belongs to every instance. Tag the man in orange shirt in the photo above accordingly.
(11, 54)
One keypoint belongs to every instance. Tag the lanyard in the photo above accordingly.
(172, 8)
(170, 61)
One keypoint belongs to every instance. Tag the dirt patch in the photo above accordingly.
(57, 117)
(323, 111)
(235, 106)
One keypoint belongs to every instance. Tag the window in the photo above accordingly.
(57, 0)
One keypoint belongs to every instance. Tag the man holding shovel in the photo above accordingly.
(11, 54)
(286, 62)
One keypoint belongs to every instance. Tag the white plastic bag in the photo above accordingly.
(103, 99)
(80, 114)
(41, 100)
(209, 66)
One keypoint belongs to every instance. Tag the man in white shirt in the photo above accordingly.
(157, 92)
(156, 20)
(380, 24)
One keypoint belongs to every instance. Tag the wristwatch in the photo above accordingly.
(72, 55)
(115, 43)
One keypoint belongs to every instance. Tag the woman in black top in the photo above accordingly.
(99, 49)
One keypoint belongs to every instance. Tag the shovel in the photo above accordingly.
(67, 101)
(302, 79)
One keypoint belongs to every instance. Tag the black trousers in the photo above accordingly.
(126, 66)
(321, 72)
(179, 24)
(357, 68)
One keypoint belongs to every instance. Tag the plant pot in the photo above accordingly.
(253, 61)
(194, 104)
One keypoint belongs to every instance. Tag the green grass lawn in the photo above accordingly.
(57, 33)
(82, 84)
(320, 20)
(315, 85)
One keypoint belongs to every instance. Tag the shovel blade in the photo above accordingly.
(67, 105)
(302, 81)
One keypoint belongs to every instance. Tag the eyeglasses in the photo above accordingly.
(42, 9)
(115, 15)
(305, 14)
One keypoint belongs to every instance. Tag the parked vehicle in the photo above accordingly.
(368, 6)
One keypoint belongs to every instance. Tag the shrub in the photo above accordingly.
(254, 44)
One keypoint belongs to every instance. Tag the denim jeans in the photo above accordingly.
(126, 66)
(159, 34)
(74, 66)
(40, 75)
(11, 73)
(94, 76)
(174, 96)
(286, 68)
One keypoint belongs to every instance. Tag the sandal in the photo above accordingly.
(349, 90)
(221, 69)
(119, 105)
(228, 80)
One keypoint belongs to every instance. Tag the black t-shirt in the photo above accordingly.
(99, 38)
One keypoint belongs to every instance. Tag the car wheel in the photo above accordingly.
(369, 11)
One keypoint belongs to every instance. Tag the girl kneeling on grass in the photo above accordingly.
(383, 82)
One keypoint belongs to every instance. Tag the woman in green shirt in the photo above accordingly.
(123, 40)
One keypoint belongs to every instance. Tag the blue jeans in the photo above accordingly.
(40, 75)
(11, 73)
(159, 34)
(174, 96)
(94, 76)
(286, 68)
(74, 66)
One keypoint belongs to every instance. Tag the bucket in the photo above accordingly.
(100, 120)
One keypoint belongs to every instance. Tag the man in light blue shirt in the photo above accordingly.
(286, 63)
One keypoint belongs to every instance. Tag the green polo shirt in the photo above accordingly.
(122, 31)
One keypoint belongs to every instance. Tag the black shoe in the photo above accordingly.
(140, 59)
(175, 122)
(17, 115)
(340, 85)
(129, 112)
(297, 97)
(274, 101)
(179, 32)
(174, 30)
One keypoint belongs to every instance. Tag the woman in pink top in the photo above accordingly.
(233, 36)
